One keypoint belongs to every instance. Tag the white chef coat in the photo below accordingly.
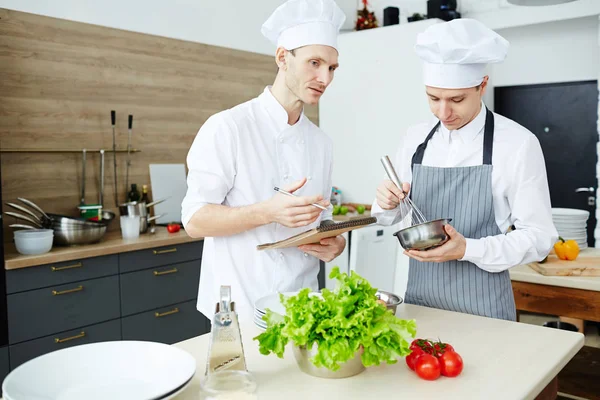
(237, 158)
(519, 187)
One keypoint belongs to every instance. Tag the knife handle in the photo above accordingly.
(130, 121)
(113, 117)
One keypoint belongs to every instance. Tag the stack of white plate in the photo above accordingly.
(271, 302)
(571, 224)
(128, 370)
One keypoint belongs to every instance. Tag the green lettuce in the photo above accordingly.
(339, 322)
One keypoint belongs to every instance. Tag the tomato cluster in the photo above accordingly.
(432, 359)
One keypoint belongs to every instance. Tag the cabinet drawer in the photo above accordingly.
(4, 365)
(166, 325)
(158, 287)
(106, 331)
(61, 308)
(22, 279)
(159, 256)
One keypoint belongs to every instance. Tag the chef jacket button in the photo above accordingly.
(305, 254)
(280, 255)
(309, 178)
(286, 177)
(301, 141)
(280, 140)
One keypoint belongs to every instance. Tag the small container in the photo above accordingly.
(130, 227)
(391, 300)
(34, 241)
(92, 212)
(352, 367)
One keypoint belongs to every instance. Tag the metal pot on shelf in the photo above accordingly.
(140, 209)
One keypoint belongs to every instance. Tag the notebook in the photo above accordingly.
(325, 230)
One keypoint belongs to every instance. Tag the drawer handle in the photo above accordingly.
(173, 311)
(57, 340)
(157, 252)
(170, 271)
(77, 289)
(78, 265)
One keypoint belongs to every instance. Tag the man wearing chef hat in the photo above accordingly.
(479, 168)
(240, 155)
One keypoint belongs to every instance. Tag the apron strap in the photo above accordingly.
(488, 141)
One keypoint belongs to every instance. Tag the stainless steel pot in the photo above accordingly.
(391, 300)
(140, 208)
(69, 236)
(424, 236)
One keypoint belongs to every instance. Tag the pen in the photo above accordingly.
(293, 195)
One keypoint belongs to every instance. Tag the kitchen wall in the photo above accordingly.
(61, 79)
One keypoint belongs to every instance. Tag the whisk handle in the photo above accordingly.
(391, 172)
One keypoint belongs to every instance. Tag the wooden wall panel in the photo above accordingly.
(59, 80)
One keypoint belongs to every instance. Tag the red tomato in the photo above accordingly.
(172, 228)
(441, 347)
(422, 344)
(412, 357)
(427, 367)
(451, 364)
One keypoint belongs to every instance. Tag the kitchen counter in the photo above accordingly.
(524, 273)
(503, 360)
(112, 243)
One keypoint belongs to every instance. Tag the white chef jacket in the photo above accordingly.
(237, 158)
(519, 187)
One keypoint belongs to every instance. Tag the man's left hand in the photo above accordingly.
(453, 249)
(327, 249)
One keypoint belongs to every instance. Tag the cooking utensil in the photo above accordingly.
(225, 351)
(22, 226)
(113, 118)
(424, 236)
(34, 206)
(82, 201)
(24, 218)
(101, 191)
(352, 367)
(25, 210)
(391, 300)
(128, 152)
(407, 205)
(144, 222)
(69, 236)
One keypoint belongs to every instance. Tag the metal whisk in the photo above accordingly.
(407, 206)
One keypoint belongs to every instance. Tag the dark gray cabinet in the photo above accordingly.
(139, 295)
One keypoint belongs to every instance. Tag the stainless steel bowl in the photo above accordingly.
(391, 300)
(349, 368)
(70, 236)
(423, 236)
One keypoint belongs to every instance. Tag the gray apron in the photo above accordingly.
(465, 195)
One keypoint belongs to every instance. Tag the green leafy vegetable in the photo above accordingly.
(339, 323)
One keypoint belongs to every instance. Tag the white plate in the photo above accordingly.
(570, 212)
(108, 370)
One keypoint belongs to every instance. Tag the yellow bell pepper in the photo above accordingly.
(566, 249)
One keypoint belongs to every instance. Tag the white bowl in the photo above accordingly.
(34, 243)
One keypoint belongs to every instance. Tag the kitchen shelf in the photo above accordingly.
(65, 150)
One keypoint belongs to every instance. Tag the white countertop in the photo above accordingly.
(503, 360)
(523, 273)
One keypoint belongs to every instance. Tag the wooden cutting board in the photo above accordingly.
(586, 264)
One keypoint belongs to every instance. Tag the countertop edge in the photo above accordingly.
(108, 246)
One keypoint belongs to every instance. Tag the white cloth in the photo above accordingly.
(237, 158)
(456, 53)
(298, 23)
(519, 187)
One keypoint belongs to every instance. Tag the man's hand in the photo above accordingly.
(293, 212)
(327, 249)
(389, 195)
(453, 249)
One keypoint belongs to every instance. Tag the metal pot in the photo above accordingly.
(391, 300)
(140, 208)
(424, 236)
(69, 236)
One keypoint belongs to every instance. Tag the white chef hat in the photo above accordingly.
(456, 53)
(298, 23)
